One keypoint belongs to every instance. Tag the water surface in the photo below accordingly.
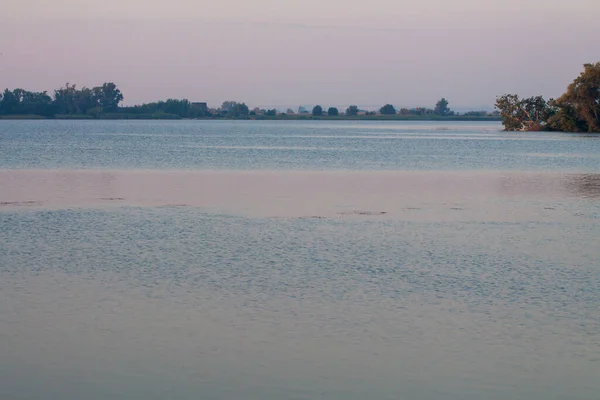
(290, 145)
(303, 260)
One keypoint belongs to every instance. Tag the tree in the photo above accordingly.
(37, 103)
(566, 119)
(528, 114)
(69, 100)
(388, 109)
(11, 101)
(227, 105)
(441, 108)
(317, 111)
(108, 97)
(23, 102)
(333, 112)
(579, 106)
(64, 99)
(352, 111)
(85, 99)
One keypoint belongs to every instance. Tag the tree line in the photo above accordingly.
(105, 102)
(441, 109)
(577, 110)
(67, 100)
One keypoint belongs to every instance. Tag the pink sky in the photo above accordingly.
(287, 53)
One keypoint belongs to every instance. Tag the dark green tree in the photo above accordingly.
(23, 102)
(317, 111)
(388, 109)
(108, 96)
(11, 101)
(65, 99)
(352, 111)
(228, 105)
(37, 103)
(333, 112)
(441, 107)
(238, 110)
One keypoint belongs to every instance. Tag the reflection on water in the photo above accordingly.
(584, 185)
(571, 185)
(395, 195)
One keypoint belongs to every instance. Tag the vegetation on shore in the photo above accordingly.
(577, 110)
(104, 102)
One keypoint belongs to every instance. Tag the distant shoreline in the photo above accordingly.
(295, 117)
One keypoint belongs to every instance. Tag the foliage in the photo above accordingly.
(580, 105)
(441, 108)
(108, 97)
(238, 110)
(70, 100)
(317, 111)
(475, 114)
(528, 114)
(565, 119)
(352, 111)
(182, 108)
(227, 105)
(333, 112)
(387, 109)
(23, 102)
(577, 110)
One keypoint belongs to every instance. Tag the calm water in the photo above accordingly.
(320, 261)
(289, 145)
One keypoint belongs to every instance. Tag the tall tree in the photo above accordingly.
(238, 110)
(228, 105)
(441, 107)
(108, 96)
(64, 99)
(333, 112)
(352, 111)
(37, 103)
(582, 100)
(317, 111)
(11, 101)
(388, 109)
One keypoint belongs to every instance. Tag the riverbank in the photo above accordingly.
(282, 117)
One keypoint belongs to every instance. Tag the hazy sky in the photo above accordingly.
(286, 53)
